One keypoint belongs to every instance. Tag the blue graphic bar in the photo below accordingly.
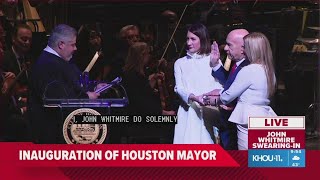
(276, 158)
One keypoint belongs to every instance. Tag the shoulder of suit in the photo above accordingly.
(47, 58)
(252, 68)
(246, 62)
(8, 54)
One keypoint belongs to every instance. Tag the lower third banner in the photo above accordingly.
(28, 154)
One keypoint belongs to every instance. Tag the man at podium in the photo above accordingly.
(54, 76)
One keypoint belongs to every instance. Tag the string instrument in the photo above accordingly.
(32, 18)
(162, 85)
(11, 89)
(11, 86)
(162, 88)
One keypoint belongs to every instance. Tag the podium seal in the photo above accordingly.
(83, 133)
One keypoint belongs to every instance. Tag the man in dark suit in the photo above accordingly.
(235, 51)
(19, 53)
(15, 59)
(54, 76)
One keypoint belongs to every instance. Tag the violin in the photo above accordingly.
(162, 88)
(162, 84)
(11, 86)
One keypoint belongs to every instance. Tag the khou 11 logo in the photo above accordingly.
(276, 141)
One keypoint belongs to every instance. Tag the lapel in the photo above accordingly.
(232, 77)
(244, 63)
(13, 61)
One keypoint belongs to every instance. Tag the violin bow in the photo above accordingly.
(175, 29)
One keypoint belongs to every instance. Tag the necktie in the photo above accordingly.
(21, 59)
(22, 65)
(234, 67)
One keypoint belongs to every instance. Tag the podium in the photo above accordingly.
(62, 111)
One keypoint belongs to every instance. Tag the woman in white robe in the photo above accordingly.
(193, 78)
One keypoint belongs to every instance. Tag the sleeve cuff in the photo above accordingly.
(215, 68)
(189, 102)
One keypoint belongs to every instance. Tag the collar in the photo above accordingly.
(52, 51)
(195, 55)
(239, 62)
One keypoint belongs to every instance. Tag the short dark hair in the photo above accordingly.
(19, 26)
(202, 32)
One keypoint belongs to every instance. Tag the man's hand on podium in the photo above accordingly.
(93, 95)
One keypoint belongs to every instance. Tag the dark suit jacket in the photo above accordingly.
(52, 77)
(225, 78)
(142, 99)
(10, 64)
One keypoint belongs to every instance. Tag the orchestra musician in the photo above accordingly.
(16, 60)
(13, 124)
(139, 85)
(142, 98)
(19, 53)
(128, 35)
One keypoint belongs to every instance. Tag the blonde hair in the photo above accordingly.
(135, 58)
(258, 51)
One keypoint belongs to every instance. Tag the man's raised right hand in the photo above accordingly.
(214, 54)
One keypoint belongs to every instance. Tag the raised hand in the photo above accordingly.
(93, 95)
(214, 54)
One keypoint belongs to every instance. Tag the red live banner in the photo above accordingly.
(106, 155)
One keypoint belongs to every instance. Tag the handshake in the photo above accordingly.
(210, 98)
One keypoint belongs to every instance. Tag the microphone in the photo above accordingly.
(109, 85)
